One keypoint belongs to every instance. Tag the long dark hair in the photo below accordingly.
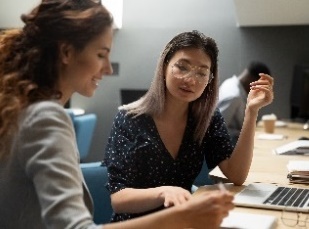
(202, 108)
(29, 57)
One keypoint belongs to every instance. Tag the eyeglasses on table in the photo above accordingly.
(293, 218)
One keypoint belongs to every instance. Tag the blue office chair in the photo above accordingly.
(95, 175)
(203, 178)
(84, 126)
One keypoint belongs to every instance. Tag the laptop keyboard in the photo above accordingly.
(284, 196)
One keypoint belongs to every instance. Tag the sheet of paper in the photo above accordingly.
(295, 165)
(240, 220)
(271, 136)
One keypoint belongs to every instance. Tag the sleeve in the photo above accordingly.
(217, 143)
(50, 159)
(119, 157)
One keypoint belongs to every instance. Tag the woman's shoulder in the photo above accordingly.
(122, 114)
(216, 119)
(217, 113)
(44, 110)
(127, 118)
(125, 114)
(45, 106)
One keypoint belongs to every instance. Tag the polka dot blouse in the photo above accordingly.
(137, 158)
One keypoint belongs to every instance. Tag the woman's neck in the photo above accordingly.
(175, 110)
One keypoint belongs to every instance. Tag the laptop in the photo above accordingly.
(270, 196)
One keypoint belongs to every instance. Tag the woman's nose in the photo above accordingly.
(107, 69)
(190, 78)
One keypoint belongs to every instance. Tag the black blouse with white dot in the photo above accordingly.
(137, 158)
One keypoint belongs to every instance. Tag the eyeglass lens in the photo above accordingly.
(183, 69)
(293, 218)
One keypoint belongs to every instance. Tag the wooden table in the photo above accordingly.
(267, 167)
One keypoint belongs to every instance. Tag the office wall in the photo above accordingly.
(149, 25)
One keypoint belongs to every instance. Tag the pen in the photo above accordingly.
(221, 187)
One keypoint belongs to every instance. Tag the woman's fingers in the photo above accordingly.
(175, 195)
(266, 80)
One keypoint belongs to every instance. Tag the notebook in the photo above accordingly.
(273, 197)
(241, 220)
(298, 171)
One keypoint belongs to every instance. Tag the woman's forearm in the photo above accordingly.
(166, 219)
(243, 152)
(130, 200)
(204, 210)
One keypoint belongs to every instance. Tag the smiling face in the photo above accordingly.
(81, 71)
(196, 74)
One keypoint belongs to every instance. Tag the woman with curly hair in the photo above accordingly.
(63, 48)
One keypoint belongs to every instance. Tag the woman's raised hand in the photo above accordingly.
(261, 92)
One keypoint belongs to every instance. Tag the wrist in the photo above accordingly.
(184, 215)
(160, 194)
(251, 112)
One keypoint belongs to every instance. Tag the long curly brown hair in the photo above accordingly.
(29, 56)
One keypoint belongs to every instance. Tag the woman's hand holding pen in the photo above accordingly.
(215, 204)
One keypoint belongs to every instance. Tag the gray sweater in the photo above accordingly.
(41, 184)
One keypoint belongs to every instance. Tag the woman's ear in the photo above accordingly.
(66, 52)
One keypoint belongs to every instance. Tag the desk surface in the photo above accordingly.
(267, 167)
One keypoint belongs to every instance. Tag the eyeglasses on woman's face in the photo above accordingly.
(183, 69)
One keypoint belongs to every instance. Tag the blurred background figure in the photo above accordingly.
(233, 94)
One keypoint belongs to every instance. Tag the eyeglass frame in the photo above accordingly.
(297, 221)
(188, 74)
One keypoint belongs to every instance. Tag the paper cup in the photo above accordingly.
(269, 126)
(269, 123)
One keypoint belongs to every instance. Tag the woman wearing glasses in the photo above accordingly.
(63, 48)
(159, 142)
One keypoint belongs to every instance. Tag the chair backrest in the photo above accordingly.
(84, 126)
(130, 95)
(203, 178)
(95, 175)
(70, 113)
